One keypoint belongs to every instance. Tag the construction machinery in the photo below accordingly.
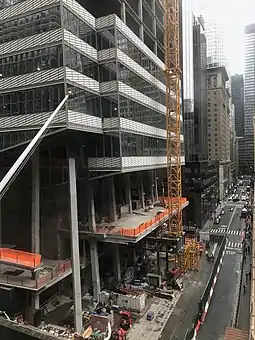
(188, 257)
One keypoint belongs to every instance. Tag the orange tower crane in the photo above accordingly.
(188, 257)
(173, 114)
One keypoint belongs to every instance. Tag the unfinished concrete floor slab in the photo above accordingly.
(162, 310)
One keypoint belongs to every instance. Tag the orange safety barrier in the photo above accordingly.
(19, 257)
(142, 227)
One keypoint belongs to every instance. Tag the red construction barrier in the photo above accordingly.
(19, 257)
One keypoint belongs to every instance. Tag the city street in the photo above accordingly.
(224, 302)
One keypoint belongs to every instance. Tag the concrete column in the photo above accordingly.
(156, 186)
(95, 269)
(35, 218)
(91, 212)
(152, 186)
(117, 262)
(128, 193)
(112, 199)
(140, 13)
(123, 12)
(76, 268)
(35, 301)
(141, 190)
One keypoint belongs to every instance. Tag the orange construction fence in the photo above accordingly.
(142, 227)
(19, 257)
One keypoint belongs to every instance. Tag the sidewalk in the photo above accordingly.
(244, 306)
(207, 226)
(186, 308)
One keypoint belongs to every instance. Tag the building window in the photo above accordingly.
(137, 145)
(107, 72)
(76, 26)
(138, 83)
(15, 137)
(109, 107)
(43, 21)
(134, 111)
(85, 102)
(138, 56)
(32, 61)
(42, 99)
(78, 62)
(106, 39)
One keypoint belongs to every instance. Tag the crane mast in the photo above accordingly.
(173, 114)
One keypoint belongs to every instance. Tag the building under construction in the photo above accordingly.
(109, 139)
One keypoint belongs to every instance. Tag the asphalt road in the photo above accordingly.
(223, 304)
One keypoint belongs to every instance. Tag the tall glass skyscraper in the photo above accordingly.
(249, 95)
(215, 45)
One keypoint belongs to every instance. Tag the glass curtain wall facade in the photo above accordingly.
(215, 44)
(188, 77)
(115, 75)
(249, 96)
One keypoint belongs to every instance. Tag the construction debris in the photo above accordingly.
(57, 331)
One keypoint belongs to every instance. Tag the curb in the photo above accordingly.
(238, 295)
(200, 322)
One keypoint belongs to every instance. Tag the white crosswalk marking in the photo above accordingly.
(232, 244)
(234, 232)
(218, 231)
(223, 231)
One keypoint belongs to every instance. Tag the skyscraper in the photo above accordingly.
(200, 180)
(215, 44)
(249, 96)
(219, 122)
(237, 92)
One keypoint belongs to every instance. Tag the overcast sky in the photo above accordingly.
(232, 16)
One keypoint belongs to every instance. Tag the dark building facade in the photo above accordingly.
(200, 178)
(237, 92)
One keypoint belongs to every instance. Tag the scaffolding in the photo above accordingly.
(189, 256)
